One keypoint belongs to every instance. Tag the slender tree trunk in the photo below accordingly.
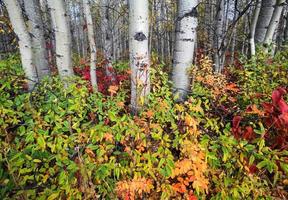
(218, 36)
(286, 30)
(266, 12)
(48, 36)
(62, 31)
(253, 27)
(139, 53)
(82, 27)
(184, 47)
(108, 39)
(25, 44)
(93, 56)
(274, 22)
(33, 12)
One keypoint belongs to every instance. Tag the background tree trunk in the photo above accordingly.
(62, 31)
(253, 27)
(93, 53)
(184, 46)
(139, 53)
(264, 18)
(24, 40)
(218, 36)
(274, 22)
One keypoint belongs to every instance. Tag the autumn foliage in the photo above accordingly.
(227, 141)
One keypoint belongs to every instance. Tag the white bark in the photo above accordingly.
(25, 44)
(93, 51)
(61, 27)
(184, 46)
(265, 15)
(253, 27)
(274, 22)
(33, 12)
(139, 52)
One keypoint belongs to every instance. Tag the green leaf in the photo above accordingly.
(53, 196)
(37, 161)
(162, 160)
(41, 142)
(262, 164)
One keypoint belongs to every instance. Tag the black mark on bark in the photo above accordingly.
(140, 36)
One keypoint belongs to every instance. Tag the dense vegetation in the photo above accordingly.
(229, 140)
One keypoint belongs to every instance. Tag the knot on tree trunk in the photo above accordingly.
(140, 36)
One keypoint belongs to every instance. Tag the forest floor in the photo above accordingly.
(229, 140)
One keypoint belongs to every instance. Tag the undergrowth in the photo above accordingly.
(69, 143)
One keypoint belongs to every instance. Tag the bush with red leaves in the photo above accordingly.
(274, 116)
(104, 80)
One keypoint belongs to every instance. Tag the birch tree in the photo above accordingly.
(33, 11)
(108, 37)
(218, 36)
(274, 22)
(184, 46)
(253, 27)
(61, 27)
(265, 15)
(24, 40)
(93, 54)
(139, 53)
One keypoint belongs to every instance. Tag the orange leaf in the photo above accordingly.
(254, 110)
(108, 137)
(232, 87)
(149, 113)
(90, 152)
(113, 89)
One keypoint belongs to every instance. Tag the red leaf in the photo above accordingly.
(253, 169)
(284, 118)
(236, 121)
(192, 197)
(283, 107)
(249, 133)
(268, 107)
(235, 126)
(277, 95)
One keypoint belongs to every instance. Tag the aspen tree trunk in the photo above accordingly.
(139, 53)
(184, 46)
(93, 51)
(62, 31)
(218, 36)
(211, 31)
(266, 12)
(33, 12)
(48, 36)
(274, 22)
(253, 27)
(82, 25)
(286, 30)
(108, 38)
(25, 44)
(75, 27)
(235, 13)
